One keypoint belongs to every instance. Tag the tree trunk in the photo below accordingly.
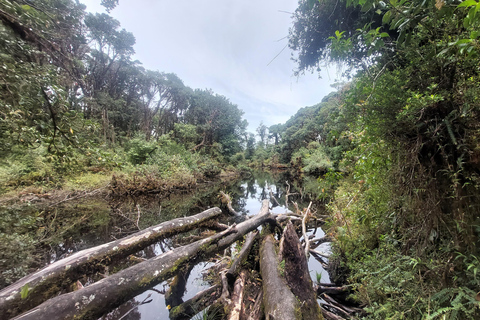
(48, 282)
(241, 257)
(278, 300)
(196, 304)
(107, 294)
(297, 275)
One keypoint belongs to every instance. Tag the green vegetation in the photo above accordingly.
(403, 185)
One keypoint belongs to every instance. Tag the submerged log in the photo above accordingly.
(48, 282)
(297, 275)
(228, 202)
(279, 302)
(107, 294)
(196, 304)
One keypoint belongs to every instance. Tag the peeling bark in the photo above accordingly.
(107, 294)
(237, 297)
(48, 282)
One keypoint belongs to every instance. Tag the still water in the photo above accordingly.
(247, 195)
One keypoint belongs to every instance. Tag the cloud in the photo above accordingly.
(227, 46)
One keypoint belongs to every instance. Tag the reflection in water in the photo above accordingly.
(246, 194)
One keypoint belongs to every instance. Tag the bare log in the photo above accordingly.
(298, 276)
(196, 304)
(304, 231)
(237, 297)
(48, 282)
(318, 241)
(241, 257)
(348, 310)
(107, 294)
(279, 301)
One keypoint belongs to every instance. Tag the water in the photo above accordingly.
(247, 195)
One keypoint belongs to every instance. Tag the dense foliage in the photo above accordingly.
(72, 95)
(405, 207)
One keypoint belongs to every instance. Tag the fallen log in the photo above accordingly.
(48, 282)
(196, 304)
(107, 294)
(241, 257)
(237, 297)
(279, 302)
(178, 286)
(331, 290)
(298, 276)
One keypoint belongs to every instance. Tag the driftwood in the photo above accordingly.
(279, 302)
(107, 294)
(46, 283)
(298, 276)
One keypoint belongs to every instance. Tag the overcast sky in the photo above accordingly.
(227, 46)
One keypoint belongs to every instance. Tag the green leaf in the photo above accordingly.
(387, 17)
(467, 3)
(24, 291)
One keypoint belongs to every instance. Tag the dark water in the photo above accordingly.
(128, 215)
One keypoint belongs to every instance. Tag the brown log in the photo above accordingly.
(107, 294)
(279, 302)
(196, 304)
(48, 282)
(330, 315)
(241, 257)
(237, 297)
(331, 290)
(298, 276)
(348, 310)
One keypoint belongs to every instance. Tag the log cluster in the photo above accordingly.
(268, 279)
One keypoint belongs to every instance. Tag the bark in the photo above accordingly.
(107, 294)
(241, 257)
(257, 311)
(237, 297)
(48, 282)
(196, 304)
(279, 301)
(331, 290)
(298, 276)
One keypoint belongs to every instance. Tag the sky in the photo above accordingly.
(236, 48)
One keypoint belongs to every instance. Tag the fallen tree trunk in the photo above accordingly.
(279, 302)
(196, 304)
(48, 282)
(241, 257)
(107, 294)
(297, 274)
(237, 297)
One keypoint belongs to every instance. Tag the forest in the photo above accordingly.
(393, 152)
